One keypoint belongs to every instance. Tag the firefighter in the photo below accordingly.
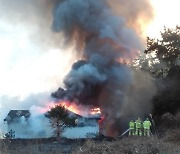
(147, 126)
(131, 127)
(138, 124)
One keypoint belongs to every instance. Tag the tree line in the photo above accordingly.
(161, 60)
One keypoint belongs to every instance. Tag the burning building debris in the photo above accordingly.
(105, 41)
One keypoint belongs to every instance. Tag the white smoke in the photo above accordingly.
(37, 105)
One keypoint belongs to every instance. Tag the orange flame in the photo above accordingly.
(79, 109)
(71, 107)
(95, 111)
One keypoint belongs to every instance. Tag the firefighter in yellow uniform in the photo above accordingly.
(147, 126)
(131, 127)
(138, 124)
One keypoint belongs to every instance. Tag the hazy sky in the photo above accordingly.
(167, 13)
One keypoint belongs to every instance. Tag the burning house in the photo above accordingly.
(19, 121)
(105, 36)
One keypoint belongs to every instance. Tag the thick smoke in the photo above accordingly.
(137, 12)
(105, 33)
(105, 40)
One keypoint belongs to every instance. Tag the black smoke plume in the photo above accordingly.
(104, 40)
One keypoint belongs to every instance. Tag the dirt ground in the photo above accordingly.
(169, 144)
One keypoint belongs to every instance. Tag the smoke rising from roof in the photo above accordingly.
(104, 37)
(104, 32)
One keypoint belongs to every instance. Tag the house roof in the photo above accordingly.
(94, 117)
(74, 114)
(16, 114)
(97, 117)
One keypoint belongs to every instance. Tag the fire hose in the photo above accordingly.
(153, 125)
(124, 133)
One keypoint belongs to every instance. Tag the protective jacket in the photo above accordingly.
(131, 125)
(138, 127)
(146, 124)
(138, 124)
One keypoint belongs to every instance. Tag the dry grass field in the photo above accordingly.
(168, 144)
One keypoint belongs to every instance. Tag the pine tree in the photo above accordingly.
(59, 118)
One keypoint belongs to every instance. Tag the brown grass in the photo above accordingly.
(129, 145)
(170, 143)
(43, 146)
